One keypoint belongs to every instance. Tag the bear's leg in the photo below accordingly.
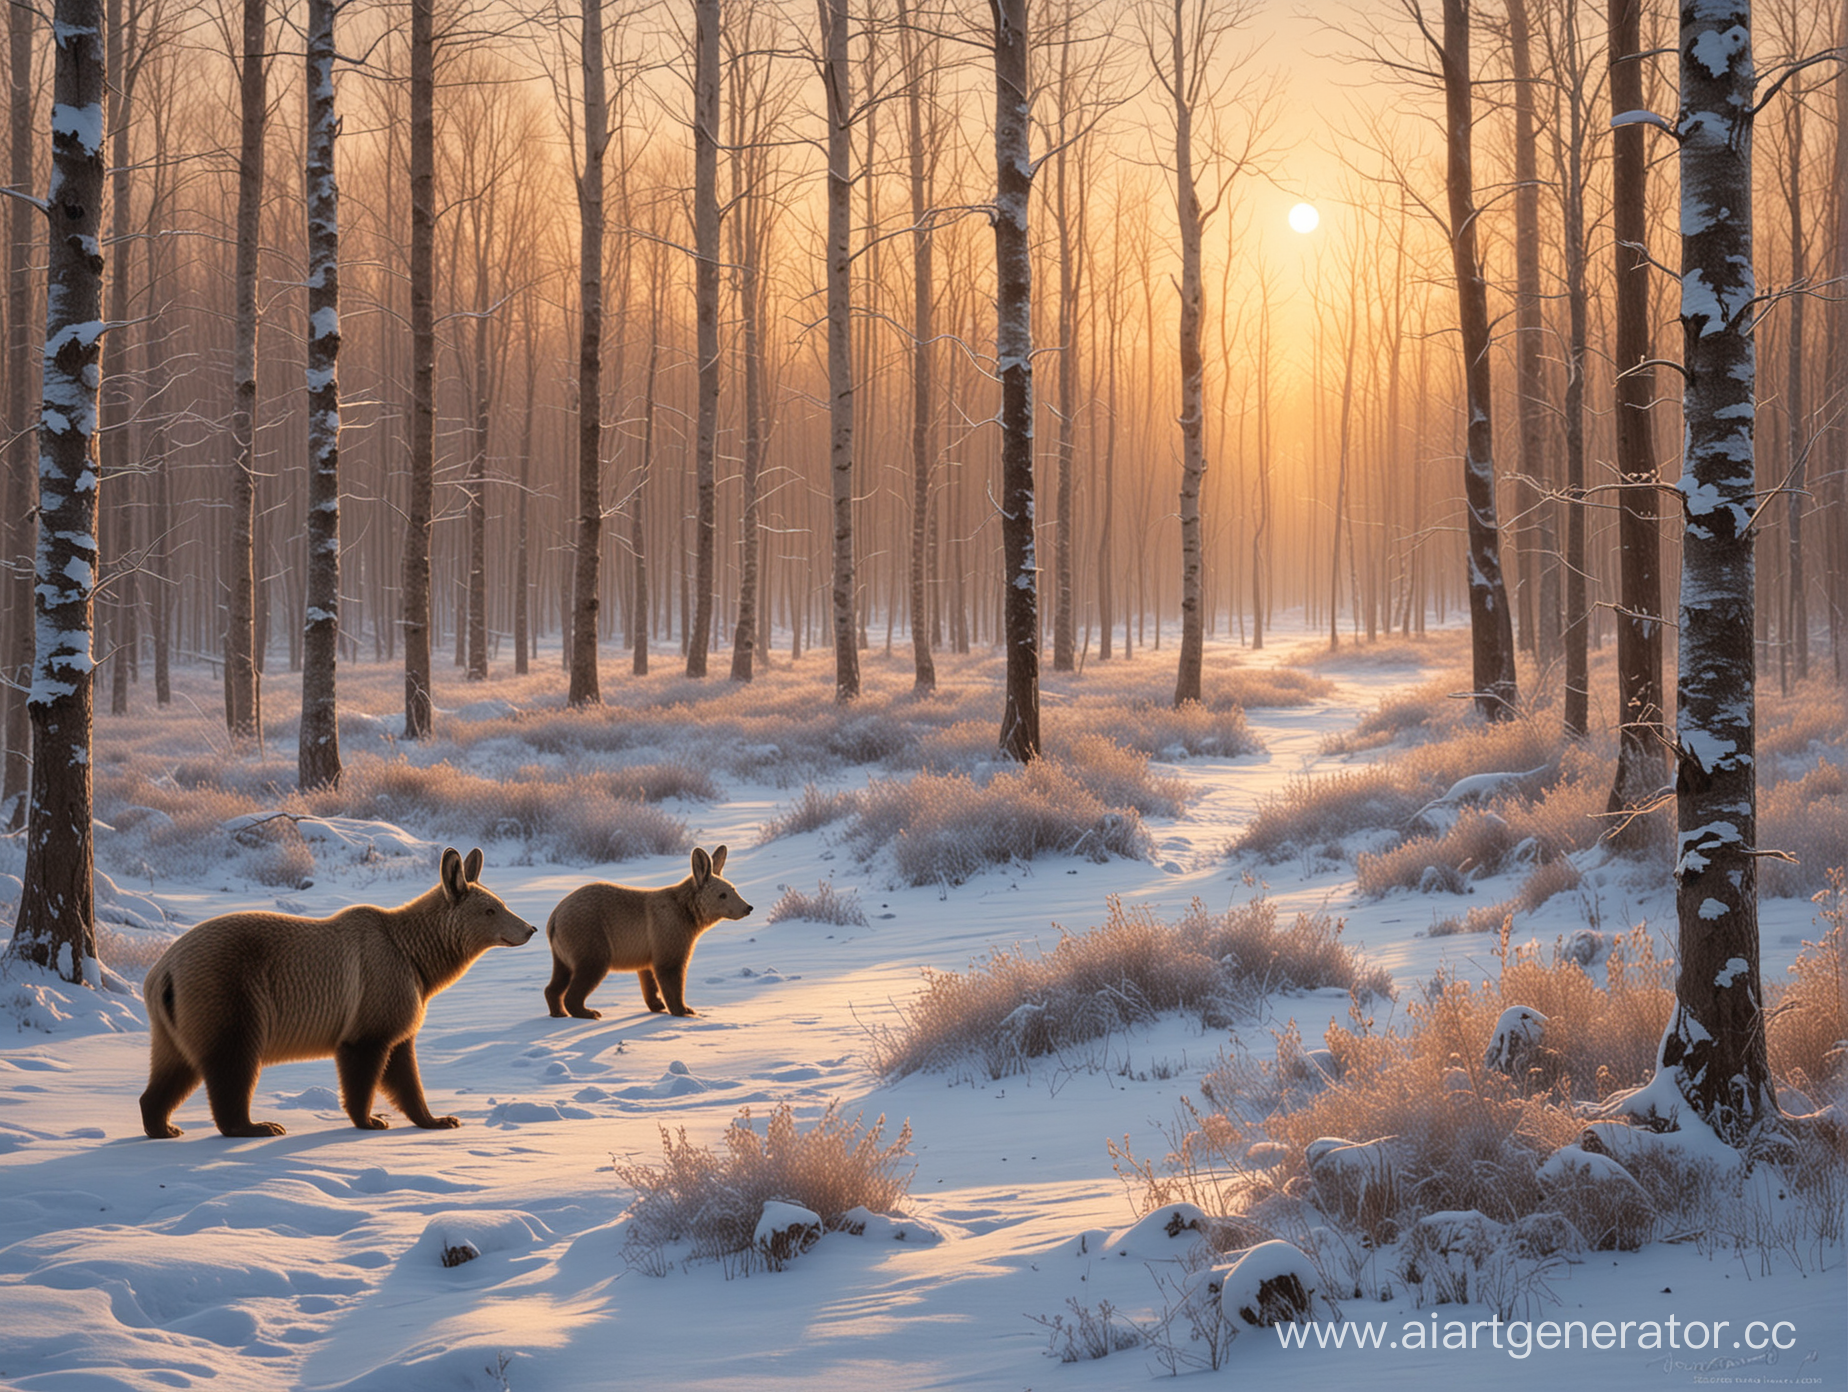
(360, 1062)
(585, 978)
(555, 990)
(231, 1083)
(673, 979)
(404, 1086)
(171, 1080)
(651, 993)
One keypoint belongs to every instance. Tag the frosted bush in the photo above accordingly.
(713, 1201)
(1015, 1006)
(825, 905)
(810, 812)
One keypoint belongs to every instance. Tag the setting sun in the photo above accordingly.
(1304, 218)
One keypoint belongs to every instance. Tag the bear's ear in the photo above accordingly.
(455, 884)
(702, 867)
(718, 861)
(471, 868)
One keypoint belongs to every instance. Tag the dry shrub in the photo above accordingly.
(1426, 711)
(1549, 878)
(1014, 1006)
(1808, 1031)
(713, 1201)
(825, 905)
(1477, 843)
(1160, 729)
(1806, 818)
(943, 828)
(677, 778)
(583, 817)
(810, 812)
(1481, 918)
(1314, 811)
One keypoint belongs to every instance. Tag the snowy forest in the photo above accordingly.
(1350, 500)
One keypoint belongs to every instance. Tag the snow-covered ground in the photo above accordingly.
(312, 1260)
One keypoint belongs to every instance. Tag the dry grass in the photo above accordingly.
(945, 827)
(1015, 1005)
(1808, 1034)
(825, 904)
(1806, 818)
(712, 1201)
(1311, 812)
(811, 812)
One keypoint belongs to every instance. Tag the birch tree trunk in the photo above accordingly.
(706, 251)
(1640, 737)
(1491, 625)
(1193, 396)
(1020, 722)
(917, 55)
(318, 755)
(21, 460)
(243, 706)
(420, 501)
(1713, 1051)
(584, 603)
(837, 80)
(56, 928)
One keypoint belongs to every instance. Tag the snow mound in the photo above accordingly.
(1516, 1036)
(1599, 1197)
(1154, 1235)
(678, 1081)
(863, 1222)
(481, 1232)
(526, 1113)
(478, 712)
(32, 998)
(314, 1099)
(1273, 1283)
(785, 1232)
(355, 834)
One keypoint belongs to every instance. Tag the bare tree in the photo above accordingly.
(1491, 625)
(318, 752)
(924, 135)
(583, 688)
(1640, 737)
(21, 459)
(243, 693)
(837, 82)
(415, 584)
(1712, 1056)
(56, 927)
(1014, 169)
(707, 255)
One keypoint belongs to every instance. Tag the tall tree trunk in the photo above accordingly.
(1491, 625)
(1539, 545)
(638, 496)
(115, 436)
(1193, 398)
(1641, 736)
(584, 602)
(157, 372)
(17, 627)
(243, 703)
(56, 928)
(420, 501)
(318, 756)
(522, 562)
(1577, 713)
(1020, 720)
(923, 328)
(836, 79)
(706, 252)
(1796, 410)
(1713, 1051)
(477, 597)
(750, 214)
(1067, 210)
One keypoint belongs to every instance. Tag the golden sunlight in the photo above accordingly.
(1304, 218)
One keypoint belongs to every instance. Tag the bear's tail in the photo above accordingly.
(157, 991)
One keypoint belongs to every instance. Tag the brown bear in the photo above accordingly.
(248, 989)
(602, 927)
